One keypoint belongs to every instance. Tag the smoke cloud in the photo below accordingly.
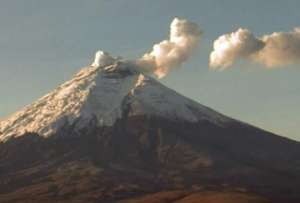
(281, 48)
(103, 59)
(170, 54)
(276, 49)
(230, 47)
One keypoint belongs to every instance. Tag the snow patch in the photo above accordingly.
(99, 92)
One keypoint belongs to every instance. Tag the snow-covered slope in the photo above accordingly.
(98, 91)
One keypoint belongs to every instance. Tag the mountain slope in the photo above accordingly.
(113, 133)
(98, 91)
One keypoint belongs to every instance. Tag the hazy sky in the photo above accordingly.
(43, 43)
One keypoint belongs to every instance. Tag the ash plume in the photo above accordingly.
(103, 59)
(165, 56)
(230, 47)
(276, 49)
(171, 53)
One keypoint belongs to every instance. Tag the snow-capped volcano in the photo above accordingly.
(114, 132)
(100, 91)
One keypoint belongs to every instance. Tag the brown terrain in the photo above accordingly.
(147, 159)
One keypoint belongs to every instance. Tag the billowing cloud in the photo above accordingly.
(281, 48)
(277, 49)
(103, 59)
(171, 53)
(166, 55)
(230, 47)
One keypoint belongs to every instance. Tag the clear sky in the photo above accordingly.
(43, 43)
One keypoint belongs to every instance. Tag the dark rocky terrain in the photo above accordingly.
(139, 156)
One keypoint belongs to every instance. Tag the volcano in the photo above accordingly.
(115, 134)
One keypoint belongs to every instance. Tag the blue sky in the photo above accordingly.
(43, 43)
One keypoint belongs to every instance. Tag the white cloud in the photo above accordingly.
(276, 49)
(171, 53)
(103, 59)
(230, 47)
(281, 48)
